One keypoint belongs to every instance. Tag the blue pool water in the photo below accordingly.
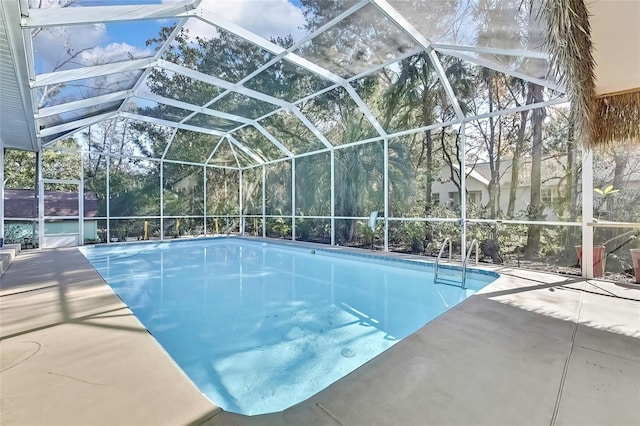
(260, 327)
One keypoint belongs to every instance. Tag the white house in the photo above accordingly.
(553, 177)
(444, 191)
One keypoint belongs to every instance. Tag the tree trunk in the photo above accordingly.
(620, 158)
(493, 182)
(454, 172)
(429, 167)
(517, 154)
(498, 211)
(535, 207)
(571, 188)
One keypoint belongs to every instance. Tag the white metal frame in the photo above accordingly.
(35, 18)
(2, 192)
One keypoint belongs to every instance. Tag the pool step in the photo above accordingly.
(8, 252)
(453, 278)
(447, 243)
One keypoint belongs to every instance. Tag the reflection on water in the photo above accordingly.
(260, 328)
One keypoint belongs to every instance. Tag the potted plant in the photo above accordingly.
(635, 261)
(599, 258)
(599, 250)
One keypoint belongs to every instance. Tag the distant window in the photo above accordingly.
(551, 194)
(474, 197)
(435, 198)
(524, 177)
(454, 198)
(547, 195)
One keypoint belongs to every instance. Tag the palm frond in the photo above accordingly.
(599, 120)
(568, 40)
(618, 118)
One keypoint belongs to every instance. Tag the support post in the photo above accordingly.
(81, 202)
(264, 201)
(204, 197)
(293, 198)
(2, 192)
(40, 195)
(587, 214)
(333, 197)
(463, 190)
(161, 200)
(386, 194)
(108, 159)
(240, 203)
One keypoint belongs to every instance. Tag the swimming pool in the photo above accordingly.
(259, 327)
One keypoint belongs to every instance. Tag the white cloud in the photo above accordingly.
(61, 48)
(266, 18)
(55, 47)
(114, 52)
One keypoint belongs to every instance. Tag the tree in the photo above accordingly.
(535, 206)
(21, 168)
(494, 132)
(417, 98)
(518, 153)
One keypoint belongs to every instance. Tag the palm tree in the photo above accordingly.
(417, 98)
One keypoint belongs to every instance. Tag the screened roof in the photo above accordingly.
(274, 76)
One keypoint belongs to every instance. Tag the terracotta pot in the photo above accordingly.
(599, 259)
(635, 260)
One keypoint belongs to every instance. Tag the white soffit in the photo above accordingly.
(615, 32)
(17, 129)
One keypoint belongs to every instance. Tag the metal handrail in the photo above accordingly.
(466, 261)
(444, 244)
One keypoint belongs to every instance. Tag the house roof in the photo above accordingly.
(475, 174)
(555, 168)
(552, 170)
(20, 203)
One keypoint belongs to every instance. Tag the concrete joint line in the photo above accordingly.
(329, 413)
(567, 361)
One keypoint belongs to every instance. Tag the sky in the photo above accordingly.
(116, 42)
(267, 18)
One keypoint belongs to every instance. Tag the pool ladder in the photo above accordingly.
(447, 243)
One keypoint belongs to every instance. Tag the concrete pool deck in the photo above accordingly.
(531, 349)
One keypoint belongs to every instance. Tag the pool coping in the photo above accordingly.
(569, 328)
(393, 257)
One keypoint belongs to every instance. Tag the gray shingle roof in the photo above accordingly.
(20, 203)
